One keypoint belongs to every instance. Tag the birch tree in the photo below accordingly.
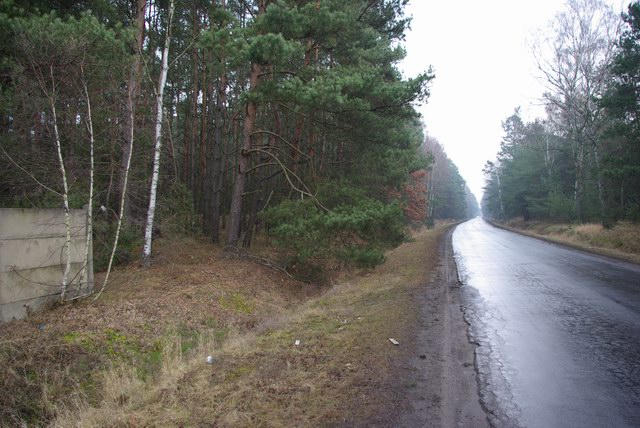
(148, 233)
(89, 124)
(61, 63)
(574, 64)
(65, 186)
(133, 89)
(275, 94)
(127, 151)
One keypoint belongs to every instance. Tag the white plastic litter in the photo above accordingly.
(297, 342)
(210, 359)
(395, 342)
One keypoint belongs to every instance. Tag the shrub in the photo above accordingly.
(355, 230)
(633, 212)
(175, 213)
(363, 256)
(561, 208)
(129, 243)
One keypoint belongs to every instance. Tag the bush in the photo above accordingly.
(355, 230)
(633, 213)
(561, 208)
(129, 243)
(363, 257)
(175, 213)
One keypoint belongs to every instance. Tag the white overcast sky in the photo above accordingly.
(481, 55)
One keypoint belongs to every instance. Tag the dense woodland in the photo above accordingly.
(582, 162)
(227, 118)
(449, 195)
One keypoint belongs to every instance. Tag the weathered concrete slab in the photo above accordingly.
(32, 259)
(18, 254)
(23, 223)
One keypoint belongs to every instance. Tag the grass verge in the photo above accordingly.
(138, 356)
(621, 241)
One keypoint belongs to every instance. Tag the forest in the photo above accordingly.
(581, 163)
(225, 119)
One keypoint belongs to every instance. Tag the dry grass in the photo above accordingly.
(137, 357)
(58, 357)
(621, 241)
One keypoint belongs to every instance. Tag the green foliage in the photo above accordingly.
(621, 159)
(633, 212)
(237, 302)
(48, 41)
(560, 207)
(175, 214)
(532, 176)
(329, 85)
(449, 197)
(129, 243)
(271, 48)
(363, 257)
(355, 229)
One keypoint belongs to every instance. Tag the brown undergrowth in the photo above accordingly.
(137, 356)
(621, 241)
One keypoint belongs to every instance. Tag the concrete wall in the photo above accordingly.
(32, 259)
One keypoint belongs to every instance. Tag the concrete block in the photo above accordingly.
(32, 258)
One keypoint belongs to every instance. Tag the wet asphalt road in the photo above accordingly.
(558, 330)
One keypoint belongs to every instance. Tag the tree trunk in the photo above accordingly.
(622, 213)
(207, 188)
(65, 196)
(251, 220)
(174, 162)
(216, 151)
(148, 232)
(132, 91)
(192, 112)
(603, 215)
(579, 182)
(89, 235)
(217, 172)
(235, 214)
(203, 180)
(502, 213)
(300, 120)
(123, 196)
(547, 158)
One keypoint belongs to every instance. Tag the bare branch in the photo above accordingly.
(28, 173)
(288, 172)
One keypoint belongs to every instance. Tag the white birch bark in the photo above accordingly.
(65, 193)
(125, 182)
(574, 61)
(91, 172)
(502, 215)
(131, 94)
(148, 232)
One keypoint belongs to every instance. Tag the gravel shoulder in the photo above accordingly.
(441, 361)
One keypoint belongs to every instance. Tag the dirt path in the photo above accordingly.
(439, 369)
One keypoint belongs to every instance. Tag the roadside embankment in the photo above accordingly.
(282, 352)
(621, 241)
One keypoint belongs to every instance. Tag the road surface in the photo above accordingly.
(557, 330)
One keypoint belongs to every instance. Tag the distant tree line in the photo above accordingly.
(449, 196)
(582, 162)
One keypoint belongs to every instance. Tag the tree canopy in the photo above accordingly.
(284, 117)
